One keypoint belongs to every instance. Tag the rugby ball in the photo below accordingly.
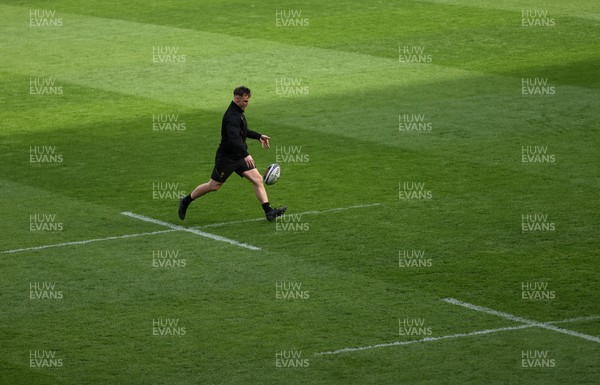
(272, 174)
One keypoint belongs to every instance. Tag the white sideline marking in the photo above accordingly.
(86, 241)
(546, 325)
(306, 212)
(189, 230)
(426, 339)
(171, 230)
(574, 320)
(229, 223)
(458, 335)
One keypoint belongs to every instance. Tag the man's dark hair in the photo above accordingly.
(241, 91)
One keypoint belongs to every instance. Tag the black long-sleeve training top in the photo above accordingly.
(234, 131)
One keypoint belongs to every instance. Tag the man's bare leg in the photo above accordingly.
(261, 194)
(203, 189)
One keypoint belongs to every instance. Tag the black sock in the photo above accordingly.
(267, 207)
(188, 199)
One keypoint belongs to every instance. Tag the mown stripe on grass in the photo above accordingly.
(583, 9)
(116, 55)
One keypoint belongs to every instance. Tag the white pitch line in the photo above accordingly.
(229, 223)
(86, 241)
(304, 213)
(341, 208)
(458, 335)
(189, 230)
(590, 318)
(426, 339)
(176, 229)
(526, 321)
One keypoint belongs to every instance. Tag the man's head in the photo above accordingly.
(241, 97)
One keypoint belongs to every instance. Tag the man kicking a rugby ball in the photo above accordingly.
(232, 155)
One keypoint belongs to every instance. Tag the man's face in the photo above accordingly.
(241, 101)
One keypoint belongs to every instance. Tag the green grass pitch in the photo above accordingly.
(430, 150)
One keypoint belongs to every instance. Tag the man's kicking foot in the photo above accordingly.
(274, 213)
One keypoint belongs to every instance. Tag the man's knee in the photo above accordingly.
(255, 178)
(258, 181)
(214, 185)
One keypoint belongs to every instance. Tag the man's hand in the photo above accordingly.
(264, 141)
(249, 161)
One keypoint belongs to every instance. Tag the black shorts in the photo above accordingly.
(225, 166)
